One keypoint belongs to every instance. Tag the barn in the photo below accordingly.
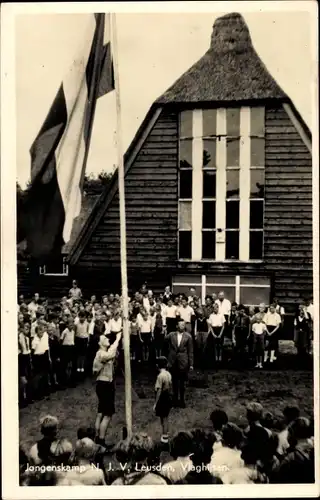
(218, 185)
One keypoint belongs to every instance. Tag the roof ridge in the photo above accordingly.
(232, 59)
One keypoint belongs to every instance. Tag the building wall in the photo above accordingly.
(288, 209)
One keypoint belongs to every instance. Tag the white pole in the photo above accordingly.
(123, 245)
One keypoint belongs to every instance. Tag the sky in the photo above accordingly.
(154, 49)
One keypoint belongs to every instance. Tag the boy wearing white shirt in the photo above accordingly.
(81, 341)
(167, 295)
(145, 334)
(170, 314)
(281, 311)
(40, 342)
(273, 321)
(216, 323)
(224, 305)
(116, 323)
(259, 331)
(115, 326)
(186, 313)
(41, 359)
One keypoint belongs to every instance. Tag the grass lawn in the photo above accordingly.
(228, 389)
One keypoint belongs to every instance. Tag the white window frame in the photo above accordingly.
(237, 285)
(189, 200)
(221, 162)
(208, 198)
(245, 160)
(65, 270)
(244, 169)
(213, 139)
(197, 161)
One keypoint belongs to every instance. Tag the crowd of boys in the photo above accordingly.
(58, 341)
(264, 451)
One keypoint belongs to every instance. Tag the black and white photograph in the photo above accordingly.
(160, 248)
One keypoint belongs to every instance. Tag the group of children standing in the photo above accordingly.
(58, 342)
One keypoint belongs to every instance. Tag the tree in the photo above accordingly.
(94, 184)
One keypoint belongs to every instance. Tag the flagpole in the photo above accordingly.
(123, 245)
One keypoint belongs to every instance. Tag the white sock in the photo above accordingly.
(272, 358)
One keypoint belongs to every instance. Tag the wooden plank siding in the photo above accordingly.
(30, 282)
(288, 209)
(151, 191)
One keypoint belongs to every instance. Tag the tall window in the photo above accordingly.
(221, 184)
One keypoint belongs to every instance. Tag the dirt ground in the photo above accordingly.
(228, 389)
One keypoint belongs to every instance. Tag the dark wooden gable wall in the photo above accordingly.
(288, 208)
(151, 213)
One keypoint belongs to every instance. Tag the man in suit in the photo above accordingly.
(180, 361)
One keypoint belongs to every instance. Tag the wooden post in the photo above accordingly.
(123, 245)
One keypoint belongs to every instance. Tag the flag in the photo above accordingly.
(60, 150)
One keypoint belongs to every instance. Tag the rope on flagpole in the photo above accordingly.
(123, 245)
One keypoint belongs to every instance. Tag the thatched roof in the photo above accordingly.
(230, 70)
